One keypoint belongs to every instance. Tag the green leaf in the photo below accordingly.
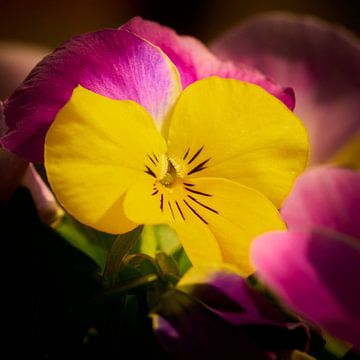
(167, 264)
(143, 263)
(167, 239)
(158, 238)
(93, 243)
(121, 247)
(182, 261)
(148, 241)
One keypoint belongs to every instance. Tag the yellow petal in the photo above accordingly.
(199, 243)
(235, 130)
(235, 214)
(146, 204)
(94, 150)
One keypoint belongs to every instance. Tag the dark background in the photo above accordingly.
(49, 22)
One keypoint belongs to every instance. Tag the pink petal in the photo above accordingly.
(194, 61)
(47, 207)
(315, 274)
(325, 198)
(113, 63)
(321, 61)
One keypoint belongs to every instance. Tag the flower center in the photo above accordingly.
(170, 172)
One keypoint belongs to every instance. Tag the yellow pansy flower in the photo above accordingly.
(216, 172)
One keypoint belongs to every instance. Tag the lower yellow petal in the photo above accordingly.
(149, 202)
(200, 244)
(235, 214)
(95, 149)
(145, 203)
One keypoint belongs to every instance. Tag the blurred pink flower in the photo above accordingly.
(315, 266)
(320, 61)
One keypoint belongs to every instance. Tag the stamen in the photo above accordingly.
(170, 175)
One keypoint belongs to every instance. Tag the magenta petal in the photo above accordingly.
(228, 295)
(327, 198)
(214, 313)
(321, 61)
(187, 53)
(113, 63)
(316, 274)
(194, 61)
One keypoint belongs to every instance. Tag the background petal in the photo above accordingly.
(235, 301)
(321, 61)
(16, 61)
(239, 132)
(194, 61)
(47, 207)
(316, 274)
(213, 313)
(328, 198)
(93, 154)
(113, 63)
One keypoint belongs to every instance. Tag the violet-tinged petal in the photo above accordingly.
(113, 63)
(194, 61)
(228, 295)
(321, 61)
(213, 313)
(187, 330)
(16, 61)
(316, 274)
(326, 198)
